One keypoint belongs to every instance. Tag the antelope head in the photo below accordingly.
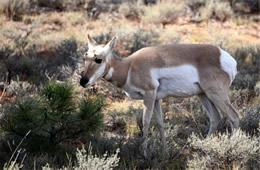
(97, 61)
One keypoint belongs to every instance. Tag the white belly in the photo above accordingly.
(181, 81)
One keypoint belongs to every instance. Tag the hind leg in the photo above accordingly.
(221, 101)
(234, 122)
(214, 115)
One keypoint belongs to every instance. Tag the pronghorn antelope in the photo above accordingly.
(153, 73)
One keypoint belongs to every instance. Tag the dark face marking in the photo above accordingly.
(92, 64)
(98, 61)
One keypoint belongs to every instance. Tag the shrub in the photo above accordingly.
(53, 116)
(61, 5)
(14, 9)
(53, 4)
(90, 161)
(211, 9)
(168, 36)
(139, 39)
(253, 5)
(223, 151)
(131, 149)
(131, 39)
(76, 18)
(29, 66)
(86, 160)
(196, 4)
(103, 38)
(250, 120)
(163, 13)
(248, 68)
(13, 166)
(130, 11)
(219, 10)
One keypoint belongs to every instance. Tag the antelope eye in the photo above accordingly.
(98, 61)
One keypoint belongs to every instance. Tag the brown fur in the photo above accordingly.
(213, 81)
(206, 58)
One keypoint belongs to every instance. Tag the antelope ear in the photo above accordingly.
(110, 46)
(91, 43)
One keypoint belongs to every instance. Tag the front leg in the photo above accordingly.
(159, 121)
(149, 99)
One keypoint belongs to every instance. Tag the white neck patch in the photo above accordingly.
(110, 73)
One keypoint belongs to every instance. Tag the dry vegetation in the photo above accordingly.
(43, 40)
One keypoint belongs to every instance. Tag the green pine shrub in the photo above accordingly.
(54, 115)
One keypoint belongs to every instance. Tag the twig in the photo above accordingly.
(3, 93)
(178, 153)
(18, 153)
(18, 147)
(23, 158)
(9, 146)
(5, 85)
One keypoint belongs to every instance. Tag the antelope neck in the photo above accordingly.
(116, 71)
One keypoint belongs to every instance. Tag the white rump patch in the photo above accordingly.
(228, 64)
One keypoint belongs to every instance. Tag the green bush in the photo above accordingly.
(53, 116)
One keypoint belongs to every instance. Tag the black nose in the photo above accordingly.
(83, 81)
